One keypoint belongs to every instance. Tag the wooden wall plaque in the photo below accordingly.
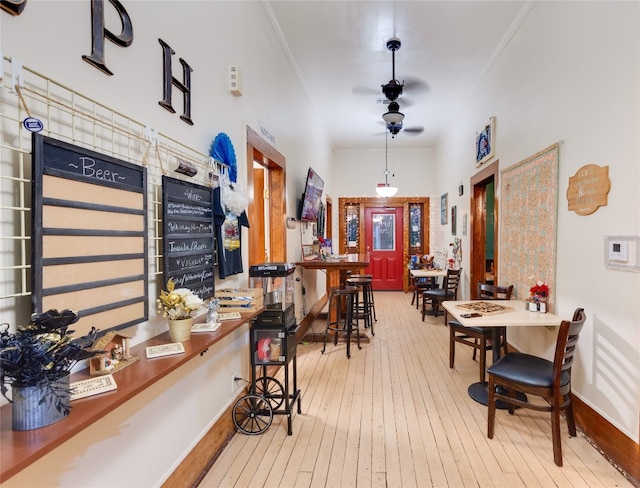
(89, 232)
(188, 235)
(588, 189)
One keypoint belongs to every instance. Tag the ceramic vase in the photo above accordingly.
(180, 330)
(33, 407)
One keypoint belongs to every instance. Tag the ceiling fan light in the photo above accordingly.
(393, 117)
(385, 191)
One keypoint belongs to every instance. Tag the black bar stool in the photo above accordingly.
(340, 319)
(371, 300)
(363, 308)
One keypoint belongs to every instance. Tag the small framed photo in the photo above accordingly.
(310, 252)
(444, 209)
(454, 218)
(485, 143)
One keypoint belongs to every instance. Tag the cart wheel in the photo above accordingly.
(252, 414)
(271, 389)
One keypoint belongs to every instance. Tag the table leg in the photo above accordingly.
(479, 391)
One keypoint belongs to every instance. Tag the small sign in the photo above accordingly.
(588, 189)
(32, 124)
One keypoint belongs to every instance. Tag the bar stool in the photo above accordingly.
(371, 300)
(340, 318)
(363, 308)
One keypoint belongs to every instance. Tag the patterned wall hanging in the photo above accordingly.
(528, 223)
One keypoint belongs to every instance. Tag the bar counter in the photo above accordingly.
(22, 448)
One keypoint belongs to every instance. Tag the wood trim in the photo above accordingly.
(196, 465)
(260, 150)
(487, 171)
(614, 445)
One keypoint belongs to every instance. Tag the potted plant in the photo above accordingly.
(179, 305)
(36, 362)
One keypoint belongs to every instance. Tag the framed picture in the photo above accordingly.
(310, 252)
(454, 223)
(464, 225)
(443, 208)
(485, 143)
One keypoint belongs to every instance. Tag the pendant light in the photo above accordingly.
(383, 189)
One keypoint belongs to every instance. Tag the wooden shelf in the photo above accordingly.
(22, 448)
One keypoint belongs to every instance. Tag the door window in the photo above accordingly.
(384, 232)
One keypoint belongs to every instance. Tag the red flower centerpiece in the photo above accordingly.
(539, 293)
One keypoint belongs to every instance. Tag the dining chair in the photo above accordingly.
(449, 291)
(532, 375)
(479, 338)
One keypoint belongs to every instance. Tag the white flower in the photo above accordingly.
(193, 302)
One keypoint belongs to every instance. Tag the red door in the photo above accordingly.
(384, 242)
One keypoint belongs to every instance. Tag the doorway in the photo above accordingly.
(483, 247)
(384, 242)
(411, 238)
(266, 188)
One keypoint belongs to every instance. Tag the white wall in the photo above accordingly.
(570, 74)
(50, 38)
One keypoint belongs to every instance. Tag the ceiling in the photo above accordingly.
(339, 51)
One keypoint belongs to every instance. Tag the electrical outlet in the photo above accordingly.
(234, 375)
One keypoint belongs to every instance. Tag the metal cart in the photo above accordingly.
(273, 343)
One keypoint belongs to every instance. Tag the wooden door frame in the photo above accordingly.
(477, 212)
(394, 202)
(260, 150)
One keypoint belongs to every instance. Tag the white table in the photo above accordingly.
(424, 273)
(427, 273)
(518, 317)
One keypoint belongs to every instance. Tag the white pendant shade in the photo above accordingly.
(386, 190)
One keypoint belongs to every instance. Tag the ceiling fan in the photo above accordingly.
(392, 90)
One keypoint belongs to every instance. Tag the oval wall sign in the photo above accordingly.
(32, 124)
(588, 189)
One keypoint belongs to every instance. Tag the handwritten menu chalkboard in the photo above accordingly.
(89, 237)
(188, 235)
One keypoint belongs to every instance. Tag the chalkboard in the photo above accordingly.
(89, 237)
(188, 235)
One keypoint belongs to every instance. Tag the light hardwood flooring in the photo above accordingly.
(395, 415)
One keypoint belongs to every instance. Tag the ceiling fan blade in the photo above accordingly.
(416, 85)
(414, 130)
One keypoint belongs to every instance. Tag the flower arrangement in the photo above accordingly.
(42, 353)
(178, 303)
(539, 290)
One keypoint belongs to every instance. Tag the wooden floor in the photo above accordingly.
(395, 415)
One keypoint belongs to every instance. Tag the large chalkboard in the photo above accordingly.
(89, 237)
(188, 235)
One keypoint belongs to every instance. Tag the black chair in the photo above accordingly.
(532, 375)
(341, 316)
(479, 338)
(449, 291)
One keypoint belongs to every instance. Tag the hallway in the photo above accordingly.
(395, 415)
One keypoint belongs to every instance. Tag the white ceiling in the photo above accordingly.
(339, 50)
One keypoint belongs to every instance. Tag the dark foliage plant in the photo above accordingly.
(42, 353)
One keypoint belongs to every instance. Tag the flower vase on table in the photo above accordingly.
(180, 329)
(179, 305)
(538, 300)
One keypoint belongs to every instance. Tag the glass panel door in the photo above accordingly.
(384, 232)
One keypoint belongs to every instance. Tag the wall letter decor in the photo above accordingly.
(169, 80)
(99, 32)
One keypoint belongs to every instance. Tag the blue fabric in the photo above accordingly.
(222, 150)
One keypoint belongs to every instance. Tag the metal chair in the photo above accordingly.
(532, 375)
(479, 338)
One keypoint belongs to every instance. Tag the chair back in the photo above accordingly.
(452, 280)
(494, 292)
(568, 336)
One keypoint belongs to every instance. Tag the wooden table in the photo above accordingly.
(336, 267)
(519, 316)
(427, 273)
